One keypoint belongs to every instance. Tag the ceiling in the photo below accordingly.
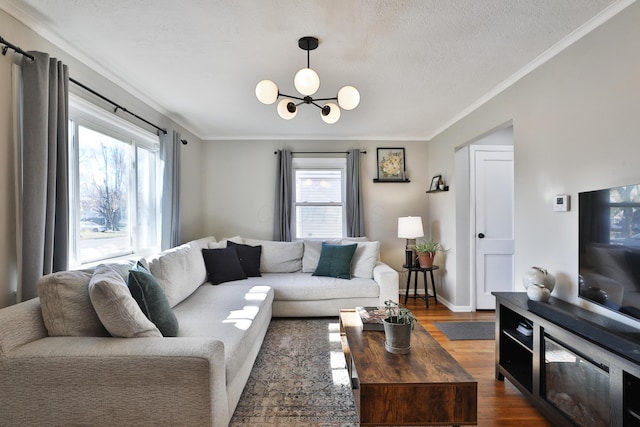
(419, 65)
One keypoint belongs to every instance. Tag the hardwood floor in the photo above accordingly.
(499, 402)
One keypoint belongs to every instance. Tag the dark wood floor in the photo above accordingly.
(499, 402)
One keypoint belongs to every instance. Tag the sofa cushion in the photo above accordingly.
(116, 308)
(335, 260)
(364, 259)
(66, 306)
(223, 265)
(311, 256)
(223, 243)
(147, 292)
(179, 271)
(249, 257)
(279, 257)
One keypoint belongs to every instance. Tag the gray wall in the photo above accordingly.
(576, 127)
(18, 34)
(240, 185)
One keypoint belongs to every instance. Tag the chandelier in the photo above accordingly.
(307, 82)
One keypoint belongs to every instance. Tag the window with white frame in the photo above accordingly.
(114, 186)
(319, 198)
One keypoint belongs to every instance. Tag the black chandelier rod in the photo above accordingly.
(8, 45)
(308, 99)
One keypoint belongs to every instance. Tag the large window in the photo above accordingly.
(319, 194)
(114, 186)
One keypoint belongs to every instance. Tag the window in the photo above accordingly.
(318, 198)
(114, 177)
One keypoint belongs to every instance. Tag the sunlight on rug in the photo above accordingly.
(299, 378)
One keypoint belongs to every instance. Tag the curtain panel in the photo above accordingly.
(170, 156)
(353, 202)
(44, 168)
(284, 198)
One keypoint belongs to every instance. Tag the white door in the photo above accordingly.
(494, 243)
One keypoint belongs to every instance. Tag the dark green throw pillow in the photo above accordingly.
(335, 261)
(147, 292)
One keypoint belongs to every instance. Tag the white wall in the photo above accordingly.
(18, 34)
(240, 186)
(576, 127)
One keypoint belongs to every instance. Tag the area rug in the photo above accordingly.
(467, 330)
(299, 378)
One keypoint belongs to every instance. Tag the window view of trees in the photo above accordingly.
(624, 205)
(104, 165)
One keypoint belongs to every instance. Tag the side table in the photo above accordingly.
(415, 271)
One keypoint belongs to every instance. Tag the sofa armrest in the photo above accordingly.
(388, 280)
(115, 381)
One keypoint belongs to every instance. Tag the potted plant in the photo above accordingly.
(398, 325)
(426, 251)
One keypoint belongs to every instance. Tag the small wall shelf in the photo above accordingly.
(446, 188)
(403, 181)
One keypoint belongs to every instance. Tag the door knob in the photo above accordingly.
(481, 236)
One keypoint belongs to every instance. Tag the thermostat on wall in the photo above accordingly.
(561, 203)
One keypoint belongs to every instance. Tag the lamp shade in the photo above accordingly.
(410, 227)
(267, 92)
(348, 97)
(306, 81)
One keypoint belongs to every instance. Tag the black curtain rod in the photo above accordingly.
(321, 152)
(8, 45)
(118, 107)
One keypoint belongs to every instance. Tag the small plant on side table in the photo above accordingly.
(426, 251)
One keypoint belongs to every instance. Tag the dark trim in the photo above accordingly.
(321, 152)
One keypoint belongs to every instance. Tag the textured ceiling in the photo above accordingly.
(419, 65)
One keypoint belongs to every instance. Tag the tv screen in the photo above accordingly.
(609, 248)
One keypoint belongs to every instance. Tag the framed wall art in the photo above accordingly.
(391, 165)
(434, 182)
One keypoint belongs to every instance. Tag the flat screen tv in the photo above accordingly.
(609, 248)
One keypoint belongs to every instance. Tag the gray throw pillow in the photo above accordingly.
(116, 308)
(149, 295)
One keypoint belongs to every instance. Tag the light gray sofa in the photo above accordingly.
(59, 366)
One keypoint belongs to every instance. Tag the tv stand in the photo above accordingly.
(575, 366)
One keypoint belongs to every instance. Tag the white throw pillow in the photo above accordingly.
(223, 243)
(364, 259)
(279, 257)
(118, 311)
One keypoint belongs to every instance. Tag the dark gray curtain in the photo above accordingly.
(44, 171)
(283, 200)
(354, 205)
(170, 155)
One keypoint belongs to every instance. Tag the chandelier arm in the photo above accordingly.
(335, 98)
(319, 106)
(290, 96)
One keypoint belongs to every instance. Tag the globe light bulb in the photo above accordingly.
(267, 92)
(332, 113)
(306, 81)
(283, 109)
(348, 97)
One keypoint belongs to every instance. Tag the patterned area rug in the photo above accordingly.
(299, 378)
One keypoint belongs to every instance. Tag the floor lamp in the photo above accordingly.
(410, 228)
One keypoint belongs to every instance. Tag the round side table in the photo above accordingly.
(414, 271)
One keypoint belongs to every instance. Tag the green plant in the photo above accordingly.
(429, 247)
(396, 313)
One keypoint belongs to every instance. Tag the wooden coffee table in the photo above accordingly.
(424, 387)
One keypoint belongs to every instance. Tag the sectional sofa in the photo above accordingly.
(87, 353)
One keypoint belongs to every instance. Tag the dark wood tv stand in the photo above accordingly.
(607, 350)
